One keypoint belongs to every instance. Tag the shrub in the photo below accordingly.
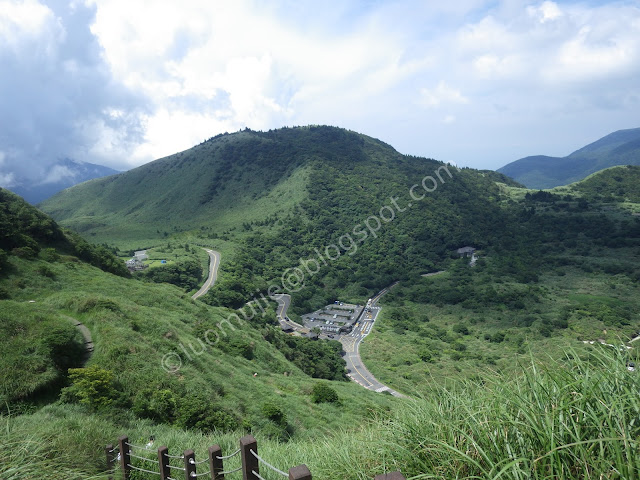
(461, 329)
(50, 255)
(92, 386)
(200, 413)
(324, 393)
(274, 413)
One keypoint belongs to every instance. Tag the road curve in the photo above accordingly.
(214, 263)
(351, 345)
(284, 300)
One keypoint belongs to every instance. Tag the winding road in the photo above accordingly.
(284, 300)
(351, 345)
(214, 263)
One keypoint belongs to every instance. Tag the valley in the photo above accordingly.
(251, 234)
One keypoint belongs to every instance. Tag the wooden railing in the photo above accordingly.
(128, 458)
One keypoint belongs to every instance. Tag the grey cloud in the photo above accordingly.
(56, 95)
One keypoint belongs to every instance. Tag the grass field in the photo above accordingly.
(416, 345)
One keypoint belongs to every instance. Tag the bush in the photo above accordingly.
(324, 393)
(158, 405)
(461, 329)
(50, 255)
(274, 413)
(200, 413)
(92, 386)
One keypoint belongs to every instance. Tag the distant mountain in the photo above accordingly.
(57, 177)
(540, 171)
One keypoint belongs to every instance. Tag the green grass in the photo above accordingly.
(134, 324)
(574, 417)
(423, 353)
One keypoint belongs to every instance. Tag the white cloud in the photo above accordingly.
(148, 80)
(545, 12)
(442, 94)
(57, 173)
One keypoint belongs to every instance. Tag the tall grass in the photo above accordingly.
(575, 418)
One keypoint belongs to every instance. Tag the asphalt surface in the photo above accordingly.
(284, 301)
(351, 345)
(214, 263)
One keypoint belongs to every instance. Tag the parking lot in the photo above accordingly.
(335, 319)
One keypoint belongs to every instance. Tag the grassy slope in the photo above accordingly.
(134, 324)
(575, 418)
(219, 185)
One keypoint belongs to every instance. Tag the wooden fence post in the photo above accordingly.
(189, 464)
(249, 462)
(301, 472)
(390, 476)
(108, 450)
(163, 462)
(215, 463)
(125, 459)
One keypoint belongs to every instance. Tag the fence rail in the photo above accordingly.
(212, 467)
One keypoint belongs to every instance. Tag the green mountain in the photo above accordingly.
(342, 216)
(278, 198)
(540, 171)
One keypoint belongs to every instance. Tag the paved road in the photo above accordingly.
(284, 300)
(214, 263)
(351, 345)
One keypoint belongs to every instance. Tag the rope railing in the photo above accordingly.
(268, 464)
(194, 474)
(257, 475)
(139, 447)
(229, 456)
(142, 469)
(143, 458)
(249, 457)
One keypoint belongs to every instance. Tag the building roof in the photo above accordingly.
(466, 250)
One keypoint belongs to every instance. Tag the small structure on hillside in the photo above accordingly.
(466, 251)
(135, 265)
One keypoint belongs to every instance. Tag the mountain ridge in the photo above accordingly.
(540, 171)
(62, 174)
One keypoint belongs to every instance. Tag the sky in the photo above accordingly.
(473, 82)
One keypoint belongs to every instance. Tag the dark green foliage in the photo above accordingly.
(25, 230)
(37, 349)
(461, 329)
(319, 359)
(323, 393)
(274, 413)
(186, 274)
(158, 405)
(195, 411)
(615, 184)
(50, 255)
